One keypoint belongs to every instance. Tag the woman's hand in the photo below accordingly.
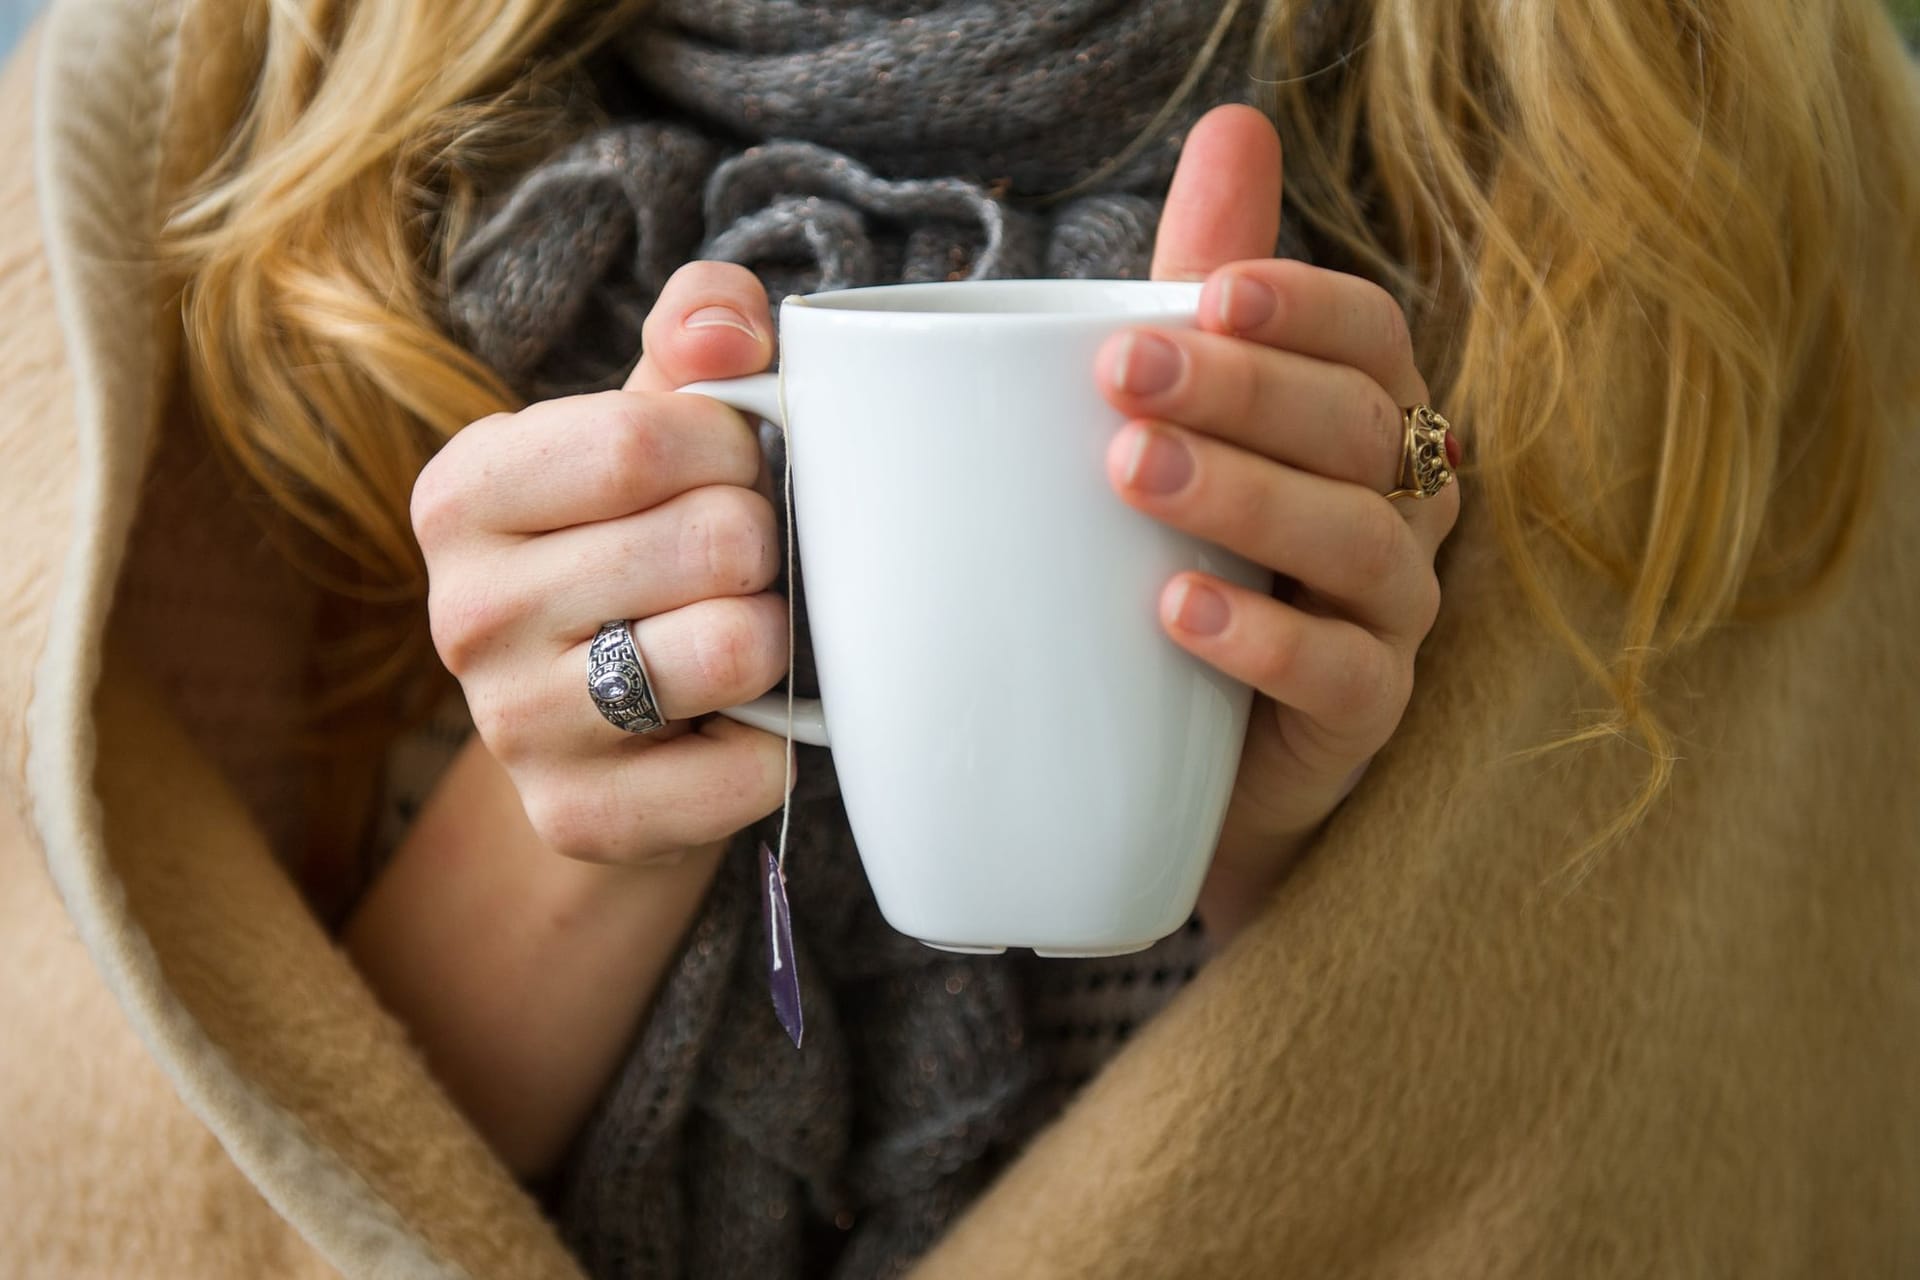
(635, 504)
(520, 974)
(1275, 431)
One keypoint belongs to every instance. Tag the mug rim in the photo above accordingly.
(1155, 300)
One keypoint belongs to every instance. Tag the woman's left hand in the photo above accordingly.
(1274, 430)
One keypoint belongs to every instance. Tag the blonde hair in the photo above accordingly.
(1659, 257)
(310, 256)
(1662, 257)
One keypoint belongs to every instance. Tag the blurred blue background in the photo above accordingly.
(14, 17)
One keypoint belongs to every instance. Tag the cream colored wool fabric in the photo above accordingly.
(1428, 1056)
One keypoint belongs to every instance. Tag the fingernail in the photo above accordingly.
(717, 317)
(1454, 450)
(1199, 609)
(1245, 303)
(1149, 365)
(1160, 464)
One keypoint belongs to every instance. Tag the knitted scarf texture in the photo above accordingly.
(827, 145)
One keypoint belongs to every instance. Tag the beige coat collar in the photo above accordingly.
(258, 1023)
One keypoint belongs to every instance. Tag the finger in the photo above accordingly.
(699, 658)
(577, 460)
(1350, 683)
(721, 778)
(1344, 543)
(1224, 203)
(718, 540)
(1327, 418)
(710, 321)
(1341, 319)
(1328, 314)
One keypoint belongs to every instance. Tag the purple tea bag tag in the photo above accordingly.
(781, 974)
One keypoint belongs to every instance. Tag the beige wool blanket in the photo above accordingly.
(1431, 1055)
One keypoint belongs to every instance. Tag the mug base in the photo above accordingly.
(1090, 953)
(1046, 953)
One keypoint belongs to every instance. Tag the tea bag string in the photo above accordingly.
(793, 606)
(783, 979)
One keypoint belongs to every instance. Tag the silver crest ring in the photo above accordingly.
(1424, 466)
(617, 681)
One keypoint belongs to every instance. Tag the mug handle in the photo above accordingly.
(759, 395)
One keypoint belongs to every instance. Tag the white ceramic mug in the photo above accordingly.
(1025, 757)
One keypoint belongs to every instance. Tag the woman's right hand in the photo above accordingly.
(636, 504)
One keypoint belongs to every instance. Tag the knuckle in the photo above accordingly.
(1377, 540)
(727, 540)
(751, 781)
(1241, 507)
(636, 437)
(1398, 337)
(434, 507)
(721, 655)
(695, 546)
(439, 505)
(1246, 389)
(1280, 660)
(1377, 690)
(768, 614)
(1383, 435)
(730, 791)
(500, 720)
(1381, 690)
(736, 655)
(1399, 689)
(1390, 323)
(1426, 604)
(1348, 694)
(464, 616)
(1366, 685)
(569, 819)
(1289, 275)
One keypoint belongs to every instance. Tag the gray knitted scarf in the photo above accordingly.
(827, 145)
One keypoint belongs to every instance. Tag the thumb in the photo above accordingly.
(1224, 205)
(710, 321)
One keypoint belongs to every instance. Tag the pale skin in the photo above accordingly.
(524, 925)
